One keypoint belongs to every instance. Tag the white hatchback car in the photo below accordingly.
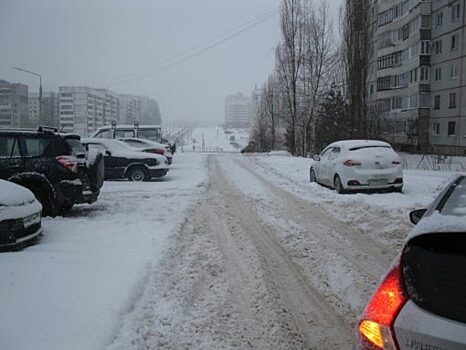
(421, 302)
(358, 165)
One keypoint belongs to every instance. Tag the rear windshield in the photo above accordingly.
(456, 203)
(364, 147)
(434, 273)
(75, 146)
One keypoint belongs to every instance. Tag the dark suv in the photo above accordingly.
(52, 165)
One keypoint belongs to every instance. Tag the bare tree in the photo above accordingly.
(357, 48)
(320, 58)
(289, 56)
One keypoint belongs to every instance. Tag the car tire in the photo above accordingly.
(137, 174)
(49, 208)
(338, 185)
(312, 175)
(398, 189)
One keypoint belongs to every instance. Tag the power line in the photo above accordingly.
(199, 49)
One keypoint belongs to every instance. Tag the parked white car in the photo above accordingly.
(149, 146)
(20, 215)
(355, 165)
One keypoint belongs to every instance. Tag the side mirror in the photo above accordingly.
(316, 158)
(416, 215)
(108, 153)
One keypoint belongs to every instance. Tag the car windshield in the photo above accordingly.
(456, 202)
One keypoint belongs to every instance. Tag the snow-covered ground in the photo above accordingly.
(228, 251)
(72, 289)
(217, 139)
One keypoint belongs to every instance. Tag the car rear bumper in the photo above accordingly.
(73, 192)
(375, 180)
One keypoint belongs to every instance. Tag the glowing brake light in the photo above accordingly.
(69, 162)
(351, 162)
(375, 329)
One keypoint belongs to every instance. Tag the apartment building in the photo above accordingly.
(50, 105)
(111, 106)
(237, 111)
(417, 74)
(129, 109)
(13, 104)
(81, 110)
(448, 77)
(149, 112)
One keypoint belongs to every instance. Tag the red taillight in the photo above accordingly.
(69, 162)
(375, 329)
(157, 150)
(351, 162)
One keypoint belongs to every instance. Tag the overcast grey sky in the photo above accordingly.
(122, 44)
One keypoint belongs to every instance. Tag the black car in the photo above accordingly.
(52, 165)
(123, 161)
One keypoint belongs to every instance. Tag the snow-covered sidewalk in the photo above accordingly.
(72, 289)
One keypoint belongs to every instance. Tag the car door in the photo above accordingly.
(11, 161)
(332, 163)
(324, 166)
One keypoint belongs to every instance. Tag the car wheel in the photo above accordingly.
(398, 189)
(48, 206)
(312, 175)
(137, 174)
(338, 185)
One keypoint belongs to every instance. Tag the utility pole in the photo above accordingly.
(41, 114)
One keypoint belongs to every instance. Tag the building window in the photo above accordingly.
(436, 128)
(453, 71)
(413, 101)
(437, 102)
(452, 100)
(438, 74)
(439, 18)
(396, 103)
(413, 75)
(455, 12)
(454, 42)
(424, 75)
(451, 128)
(438, 46)
(425, 47)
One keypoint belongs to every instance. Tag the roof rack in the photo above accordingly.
(43, 128)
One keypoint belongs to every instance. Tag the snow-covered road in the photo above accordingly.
(229, 251)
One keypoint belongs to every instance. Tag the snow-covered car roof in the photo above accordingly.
(122, 149)
(347, 144)
(147, 142)
(447, 213)
(12, 194)
(125, 127)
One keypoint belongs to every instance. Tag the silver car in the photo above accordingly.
(421, 303)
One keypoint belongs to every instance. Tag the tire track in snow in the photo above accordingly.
(318, 322)
(359, 249)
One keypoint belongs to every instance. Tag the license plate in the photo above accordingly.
(378, 182)
(31, 220)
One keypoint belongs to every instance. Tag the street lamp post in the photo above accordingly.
(41, 116)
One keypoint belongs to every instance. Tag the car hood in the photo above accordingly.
(14, 195)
